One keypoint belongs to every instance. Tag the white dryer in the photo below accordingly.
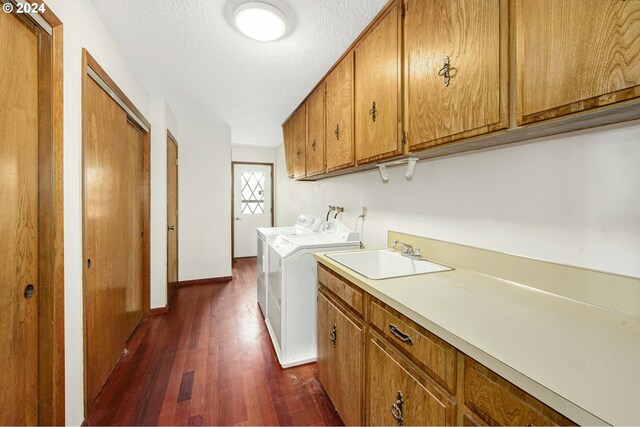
(305, 224)
(291, 297)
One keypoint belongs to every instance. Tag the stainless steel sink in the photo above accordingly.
(385, 264)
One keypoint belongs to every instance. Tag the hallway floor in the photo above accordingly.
(210, 361)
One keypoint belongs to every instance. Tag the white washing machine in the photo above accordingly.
(291, 297)
(305, 224)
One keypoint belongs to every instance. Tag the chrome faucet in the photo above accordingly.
(408, 250)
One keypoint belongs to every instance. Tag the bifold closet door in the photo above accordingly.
(18, 222)
(113, 233)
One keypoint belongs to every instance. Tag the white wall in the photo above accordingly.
(162, 118)
(204, 185)
(82, 28)
(572, 199)
(248, 153)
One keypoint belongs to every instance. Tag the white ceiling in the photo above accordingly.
(187, 51)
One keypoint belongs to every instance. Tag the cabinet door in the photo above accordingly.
(339, 129)
(288, 146)
(378, 117)
(398, 395)
(326, 352)
(575, 55)
(299, 130)
(457, 70)
(340, 359)
(315, 132)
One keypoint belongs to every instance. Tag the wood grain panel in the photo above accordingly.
(18, 222)
(377, 79)
(172, 217)
(498, 402)
(435, 356)
(347, 293)
(389, 373)
(299, 132)
(575, 55)
(114, 209)
(339, 111)
(326, 352)
(342, 362)
(289, 151)
(315, 146)
(473, 35)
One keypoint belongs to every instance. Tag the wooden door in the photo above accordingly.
(457, 72)
(113, 233)
(575, 55)
(339, 120)
(172, 217)
(340, 359)
(315, 162)
(299, 133)
(18, 222)
(392, 381)
(288, 146)
(378, 118)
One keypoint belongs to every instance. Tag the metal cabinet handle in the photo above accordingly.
(333, 335)
(400, 335)
(298, 153)
(29, 290)
(396, 409)
(447, 72)
(314, 145)
(337, 132)
(373, 112)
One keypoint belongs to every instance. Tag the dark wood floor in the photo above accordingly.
(209, 361)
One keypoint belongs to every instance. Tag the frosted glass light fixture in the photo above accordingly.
(260, 21)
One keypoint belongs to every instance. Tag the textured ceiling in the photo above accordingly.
(187, 51)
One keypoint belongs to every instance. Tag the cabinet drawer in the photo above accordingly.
(498, 402)
(432, 354)
(348, 293)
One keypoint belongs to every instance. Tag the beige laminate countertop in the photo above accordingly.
(581, 360)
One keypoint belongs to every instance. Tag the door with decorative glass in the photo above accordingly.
(252, 205)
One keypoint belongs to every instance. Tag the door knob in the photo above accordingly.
(171, 227)
(238, 219)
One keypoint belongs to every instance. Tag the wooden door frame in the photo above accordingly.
(173, 139)
(233, 207)
(89, 63)
(51, 369)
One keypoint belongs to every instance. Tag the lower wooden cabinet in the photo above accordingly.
(409, 376)
(398, 394)
(340, 359)
(498, 402)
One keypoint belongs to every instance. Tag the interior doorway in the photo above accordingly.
(252, 205)
(115, 147)
(31, 219)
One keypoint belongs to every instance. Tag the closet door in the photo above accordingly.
(18, 222)
(113, 233)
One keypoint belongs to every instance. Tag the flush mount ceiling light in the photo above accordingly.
(260, 21)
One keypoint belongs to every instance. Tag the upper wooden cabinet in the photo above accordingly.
(315, 133)
(299, 137)
(457, 77)
(378, 112)
(287, 134)
(339, 110)
(575, 55)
